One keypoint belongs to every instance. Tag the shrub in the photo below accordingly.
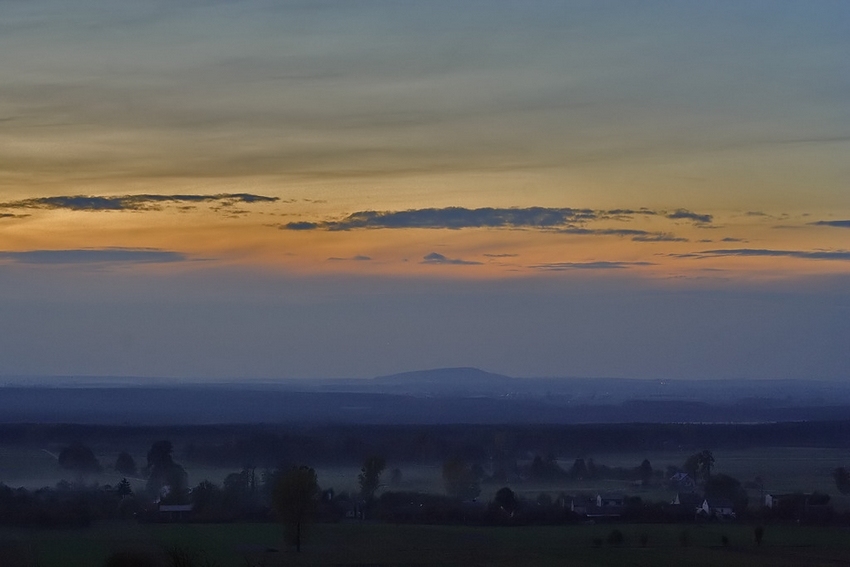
(758, 534)
(132, 559)
(616, 537)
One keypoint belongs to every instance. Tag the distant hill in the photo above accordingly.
(443, 381)
(211, 405)
(474, 382)
(441, 395)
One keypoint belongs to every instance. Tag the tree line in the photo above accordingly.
(268, 445)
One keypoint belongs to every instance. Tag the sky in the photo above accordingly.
(249, 189)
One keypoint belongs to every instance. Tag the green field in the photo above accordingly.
(372, 544)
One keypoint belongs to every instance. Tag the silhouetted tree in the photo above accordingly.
(295, 500)
(123, 488)
(842, 479)
(691, 465)
(166, 479)
(645, 472)
(205, 496)
(370, 476)
(729, 488)
(758, 534)
(239, 490)
(236, 490)
(706, 464)
(616, 537)
(544, 500)
(699, 465)
(545, 469)
(592, 471)
(579, 469)
(235, 484)
(184, 557)
(77, 457)
(506, 500)
(460, 480)
(249, 471)
(129, 558)
(125, 464)
(395, 477)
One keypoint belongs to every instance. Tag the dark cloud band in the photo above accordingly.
(435, 258)
(659, 237)
(357, 258)
(834, 223)
(130, 202)
(563, 219)
(689, 215)
(757, 252)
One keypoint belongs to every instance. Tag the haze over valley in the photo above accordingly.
(450, 395)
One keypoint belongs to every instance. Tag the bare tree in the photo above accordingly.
(370, 476)
(295, 498)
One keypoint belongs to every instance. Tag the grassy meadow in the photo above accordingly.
(232, 545)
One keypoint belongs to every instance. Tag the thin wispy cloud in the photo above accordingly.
(95, 256)
(563, 219)
(357, 258)
(659, 237)
(766, 253)
(604, 231)
(139, 202)
(637, 235)
(436, 258)
(814, 140)
(566, 266)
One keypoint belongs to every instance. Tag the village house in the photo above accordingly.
(686, 499)
(174, 512)
(600, 506)
(718, 508)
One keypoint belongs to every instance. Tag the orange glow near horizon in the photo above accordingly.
(250, 234)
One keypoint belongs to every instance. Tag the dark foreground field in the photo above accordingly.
(370, 544)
